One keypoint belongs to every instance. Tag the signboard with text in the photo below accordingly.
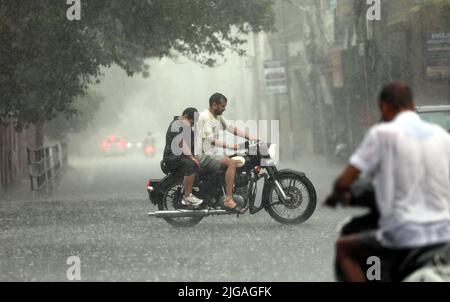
(438, 56)
(275, 77)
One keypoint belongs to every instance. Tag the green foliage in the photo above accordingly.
(46, 61)
(442, 5)
(445, 12)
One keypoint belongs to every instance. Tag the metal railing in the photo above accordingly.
(46, 165)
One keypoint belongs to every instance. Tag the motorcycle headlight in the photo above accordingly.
(273, 151)
(240, 160)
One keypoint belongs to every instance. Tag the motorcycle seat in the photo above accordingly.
(422, 257)
(206, 173)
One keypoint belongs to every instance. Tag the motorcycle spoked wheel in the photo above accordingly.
(301, 203)
(173, 194)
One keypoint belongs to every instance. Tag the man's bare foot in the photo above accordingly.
(232, 205)
(229, 203)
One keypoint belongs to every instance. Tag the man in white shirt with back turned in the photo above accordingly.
(410, 162)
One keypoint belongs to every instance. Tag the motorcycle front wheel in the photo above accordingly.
(301, 199)
(173, 194)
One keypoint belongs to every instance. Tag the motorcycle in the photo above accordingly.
(149, 150)
(426, 264)
(287, 195)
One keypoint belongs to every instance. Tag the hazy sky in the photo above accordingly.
(173, 85)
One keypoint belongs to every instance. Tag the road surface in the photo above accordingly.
(99, 214)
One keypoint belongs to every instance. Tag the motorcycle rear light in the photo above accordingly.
(149, 150)
(149, 187)
(258, 169)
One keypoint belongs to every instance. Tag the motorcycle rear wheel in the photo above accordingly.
(301, 194)
(173, 194)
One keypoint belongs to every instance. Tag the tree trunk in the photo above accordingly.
(2, 158)
(39, 135)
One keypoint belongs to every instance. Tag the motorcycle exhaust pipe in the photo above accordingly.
(188, 213)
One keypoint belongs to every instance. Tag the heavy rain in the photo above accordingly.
(89, 89)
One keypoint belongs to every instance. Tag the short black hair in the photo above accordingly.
(398, 94)
(190, 112)
(216, 98)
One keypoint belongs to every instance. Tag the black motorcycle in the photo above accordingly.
(288, 196)
(430, 263)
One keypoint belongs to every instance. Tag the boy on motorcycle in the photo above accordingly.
(410, 161)
(178, 153)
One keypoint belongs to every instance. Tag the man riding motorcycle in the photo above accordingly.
(208, 127)
(410, 160)
(149, 140)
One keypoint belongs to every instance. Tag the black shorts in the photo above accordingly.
(181, 165)
(391, 260)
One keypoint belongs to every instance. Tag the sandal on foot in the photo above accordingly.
(237, 209)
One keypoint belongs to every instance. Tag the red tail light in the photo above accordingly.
(105, 145)
(148, 183)
(122, 143)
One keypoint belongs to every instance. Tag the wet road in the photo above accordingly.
(99, 214)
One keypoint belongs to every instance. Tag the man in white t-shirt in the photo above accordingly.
(409, 160)
(209, 148)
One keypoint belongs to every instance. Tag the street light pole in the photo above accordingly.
(289, 95)
(257, 99)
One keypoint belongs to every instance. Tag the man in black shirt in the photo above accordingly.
(179, 153)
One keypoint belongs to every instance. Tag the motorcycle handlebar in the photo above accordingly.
(248, 144)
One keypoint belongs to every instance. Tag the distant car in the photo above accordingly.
(114, 145)
(439, 115)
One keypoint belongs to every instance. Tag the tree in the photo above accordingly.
(47, 61)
